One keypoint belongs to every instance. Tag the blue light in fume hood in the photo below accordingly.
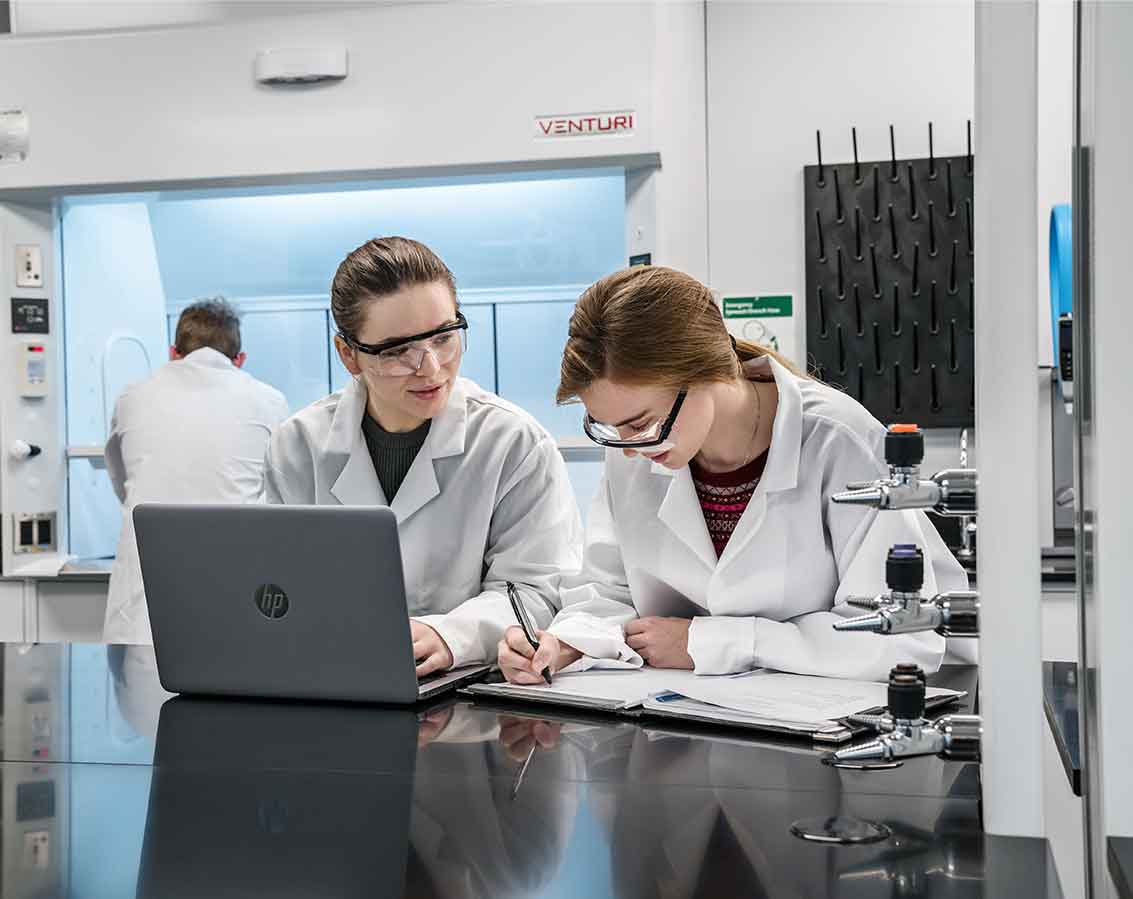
(507, 234)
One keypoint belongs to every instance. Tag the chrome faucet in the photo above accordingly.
(903, 610)
(906, 733)
(951, 492)
(952, 614)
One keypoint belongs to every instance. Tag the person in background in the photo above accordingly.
(713, 544)
(193, 432)
(478, 486)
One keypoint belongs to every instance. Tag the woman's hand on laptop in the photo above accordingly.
(522, 664)
(429, 651)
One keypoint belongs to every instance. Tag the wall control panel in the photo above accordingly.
(32, 363)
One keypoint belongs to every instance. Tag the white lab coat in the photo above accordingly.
(194, 432)
(771, 598)
(486, 500)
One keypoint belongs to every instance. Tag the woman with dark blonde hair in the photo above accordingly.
(479, 488)
(712, 544)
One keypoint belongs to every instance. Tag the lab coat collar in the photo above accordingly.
(782, 469)
(358, 484)
(680, 508)
(209, 358)
(680, 513)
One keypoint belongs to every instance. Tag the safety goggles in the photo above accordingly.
(653, 435)
(406, 355)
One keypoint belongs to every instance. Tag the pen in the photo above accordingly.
(518, 782)
(524, 622)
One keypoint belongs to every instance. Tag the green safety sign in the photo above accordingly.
(762, 307)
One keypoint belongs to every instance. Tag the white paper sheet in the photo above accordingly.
(791, 697)
(629, 687)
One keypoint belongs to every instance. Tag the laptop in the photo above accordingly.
(284, 602)
(280, 799)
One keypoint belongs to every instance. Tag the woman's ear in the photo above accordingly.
(346, 354)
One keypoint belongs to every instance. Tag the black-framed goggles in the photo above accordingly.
(404, 355)
(652, 435)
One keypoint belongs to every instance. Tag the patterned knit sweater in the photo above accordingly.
(724, 497)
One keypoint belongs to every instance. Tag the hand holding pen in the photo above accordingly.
(525, 623)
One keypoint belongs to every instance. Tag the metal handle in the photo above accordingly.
(962, 735)
(961, 613)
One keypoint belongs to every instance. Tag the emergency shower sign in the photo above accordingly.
(766, 319)
(585, 124)
(14, 130)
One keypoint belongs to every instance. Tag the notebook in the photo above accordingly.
(801, 705)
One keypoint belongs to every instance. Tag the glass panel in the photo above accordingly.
(500, 231)
(286, 350)
(529, 343)
(94, 511)
(114, 314)
(480, 361)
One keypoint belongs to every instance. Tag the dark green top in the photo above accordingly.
(392, 453)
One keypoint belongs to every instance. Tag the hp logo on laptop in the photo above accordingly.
(272, 601)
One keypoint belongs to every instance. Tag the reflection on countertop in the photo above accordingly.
(152, 795)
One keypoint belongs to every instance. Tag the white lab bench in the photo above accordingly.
(67, 607)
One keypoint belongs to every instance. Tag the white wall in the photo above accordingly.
(778, 71)
(52, 16)
(1056, 140)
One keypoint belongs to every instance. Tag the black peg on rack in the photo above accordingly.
(934, 387)
(969, 146)
(877, 193)
(968, 217)
(858, 308)
(877, 348)
(916, 269)
(841, 277)
(952, 288)
(933, 317)
(893, 233)
(916, 347)
(931, 228)
(873, 267)
(896, 386)
(951, 194)
(861, 383)
(971, 305)
(822, 332)
(839, 212)
(892, 155)
(931, 155)
(821, 170)
(821, 239)
(841, 350)
(858, 233)
(857, 168)
(896, 309)
(913, 214)
(953, 361)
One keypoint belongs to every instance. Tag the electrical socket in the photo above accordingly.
(29, 266)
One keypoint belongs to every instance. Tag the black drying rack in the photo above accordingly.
(890, 283)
